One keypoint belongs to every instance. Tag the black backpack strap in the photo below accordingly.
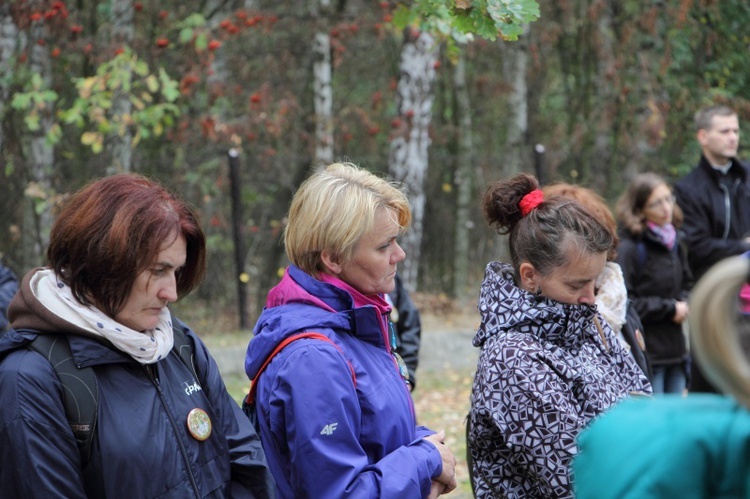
(184, 349)
(80, 389)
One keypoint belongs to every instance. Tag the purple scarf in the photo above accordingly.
(666, 233)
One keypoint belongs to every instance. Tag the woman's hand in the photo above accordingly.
(448, 477)
(436, 489)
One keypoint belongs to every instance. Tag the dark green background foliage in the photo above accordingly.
(608, 87)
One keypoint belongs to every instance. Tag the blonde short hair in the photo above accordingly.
(719, 328)
(333, 209)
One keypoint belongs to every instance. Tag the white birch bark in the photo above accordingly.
(322, 89)
(323, 99)
(515, 57)
(408, 157)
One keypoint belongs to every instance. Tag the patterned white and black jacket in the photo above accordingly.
(545, 370)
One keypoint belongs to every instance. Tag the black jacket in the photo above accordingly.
(656, 278)
(408, 328)
(632, 331)
(713, 232)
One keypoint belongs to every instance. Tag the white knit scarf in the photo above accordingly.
(146, 347)
(612, 298)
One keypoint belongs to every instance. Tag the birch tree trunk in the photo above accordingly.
(409, 146)
(463, 179)
(323, 93)
(515, 59)
(323, 99)
(122, 34)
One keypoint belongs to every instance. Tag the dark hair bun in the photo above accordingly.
(500, 201)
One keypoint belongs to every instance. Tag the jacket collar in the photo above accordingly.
(506, 307)
(737, 170)
(302, 303)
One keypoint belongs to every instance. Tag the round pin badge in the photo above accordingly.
(199, 424)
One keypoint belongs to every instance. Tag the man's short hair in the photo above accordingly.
(704, 117)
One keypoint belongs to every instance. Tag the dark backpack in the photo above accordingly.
(80, 389)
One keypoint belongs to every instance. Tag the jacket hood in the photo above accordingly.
(302, 303)
(27, 312)
(29, 317)
(505, 306)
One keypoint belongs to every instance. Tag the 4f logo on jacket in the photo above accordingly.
(329, 429)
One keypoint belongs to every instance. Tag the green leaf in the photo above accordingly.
(186, 34)
(403, 17)
(32, 121)
(170, 88)
(201, 42)
(88, 138)
(21, 101)
(152, 83)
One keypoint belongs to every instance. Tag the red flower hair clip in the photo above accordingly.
(530, 201)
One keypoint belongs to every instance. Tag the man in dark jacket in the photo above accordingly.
(8, 288)
(715, 199)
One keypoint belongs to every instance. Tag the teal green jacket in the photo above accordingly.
(666, 447)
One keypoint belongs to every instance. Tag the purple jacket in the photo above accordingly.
(324, 436)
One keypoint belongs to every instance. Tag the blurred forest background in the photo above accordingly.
(592, 92)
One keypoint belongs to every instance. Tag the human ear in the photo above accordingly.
(529, 277)
(331, 263)
(701, 136)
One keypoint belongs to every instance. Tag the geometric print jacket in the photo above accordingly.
(543, 374)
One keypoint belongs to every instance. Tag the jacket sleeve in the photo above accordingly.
(314, 419)
(704, 248)
(40, 458)
(408, 329)
(8, 288)
(251, 477)
(688, 280)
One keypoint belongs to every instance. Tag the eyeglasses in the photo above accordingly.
(668, 200)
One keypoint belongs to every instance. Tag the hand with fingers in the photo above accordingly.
(446, 482)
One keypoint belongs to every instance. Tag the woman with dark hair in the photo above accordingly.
(549, 363)
(121, 250)
(657, 275)
(611, 293)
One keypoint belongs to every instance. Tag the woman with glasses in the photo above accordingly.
(654, 264)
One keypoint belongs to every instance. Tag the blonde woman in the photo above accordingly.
(335, 414)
